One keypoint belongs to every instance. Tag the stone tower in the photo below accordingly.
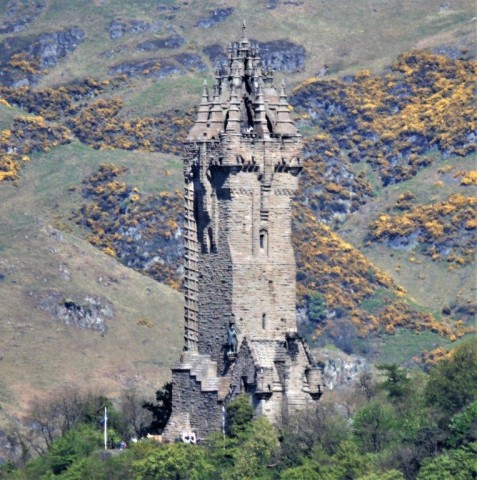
(241, 171)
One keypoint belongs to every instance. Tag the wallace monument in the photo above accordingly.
(241, 167)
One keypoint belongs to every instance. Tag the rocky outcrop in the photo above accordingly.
(23, 60)
(21, 14)
(280, 55)
(191, 61)
(50, 48)
(283, 55)
(148, 68)
(216, 16)
(162, 67)
(216, 53)
(174, 41)
(339, 369)
(122, 26)
(85, 312)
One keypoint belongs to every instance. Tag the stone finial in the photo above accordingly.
(284, 125)
(233, 114)
(200, 125)
(261, 126)
(205, 93)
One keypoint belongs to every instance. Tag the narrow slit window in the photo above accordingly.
(263, 240)
(264, 321)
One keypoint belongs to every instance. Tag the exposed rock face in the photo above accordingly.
(87, 312)
(50, 48)
(281, 55)
(174, 41)
(216, 53)
(191, 61)
(341, 370)
(23, 59)
(20, 14)
(149, 68)
(161, 68)
(121, 26)
(215, 17)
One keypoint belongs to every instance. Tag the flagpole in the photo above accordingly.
(105, 428)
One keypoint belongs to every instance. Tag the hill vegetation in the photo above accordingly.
(402, 426)
(95, 100)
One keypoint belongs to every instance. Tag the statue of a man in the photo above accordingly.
(232, 339)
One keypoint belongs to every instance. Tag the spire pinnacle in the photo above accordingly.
(205, 92)
(244, 28)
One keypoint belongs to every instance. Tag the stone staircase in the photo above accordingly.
(203, 368)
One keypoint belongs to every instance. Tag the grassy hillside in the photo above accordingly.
(345, 36)
(43, 262)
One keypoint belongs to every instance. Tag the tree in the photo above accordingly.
(56, 415)
(254, 452)
(239, 415)
(452, 383)
(302, 431)
(387, 475)
(397, 384)
(135, 417)
(463, 426)
(74, 445)
(177, 461)
(161, 411)
(373, 426)
(316, 307)
(460, 464)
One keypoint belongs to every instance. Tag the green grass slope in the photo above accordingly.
(41, 266)
(346, 35)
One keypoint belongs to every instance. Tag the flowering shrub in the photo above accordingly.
(27, 135)
(392, 120)
(443, 231)
(143, 231)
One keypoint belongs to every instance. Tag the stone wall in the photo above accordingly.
(192, 408)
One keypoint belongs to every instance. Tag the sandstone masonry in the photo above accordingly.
(241, 171)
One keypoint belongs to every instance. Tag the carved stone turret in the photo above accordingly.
(243, 157)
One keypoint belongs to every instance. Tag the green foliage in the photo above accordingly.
(324, 426)
(161, 410)
(387, 475)
(239, 415)
(308, 469)
(254, 452)
(463, 426)
(452, 383)
(397, 385)
(175, 462)
(460, 464)
(74, 446)
(373, 426)
(316, 307)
